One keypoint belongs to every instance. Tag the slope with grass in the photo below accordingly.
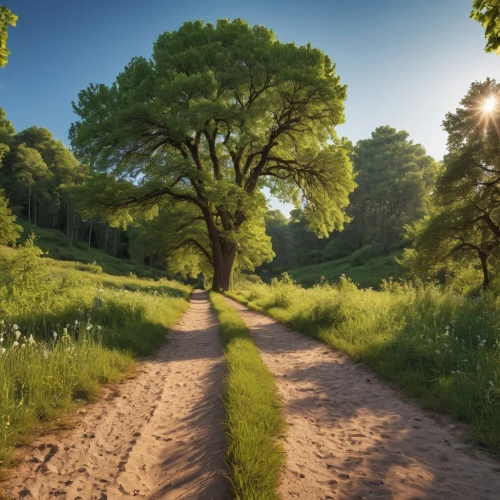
(59, 247)
(66, 330)
(366, 273)
(253, 411)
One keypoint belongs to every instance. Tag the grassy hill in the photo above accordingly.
(58, 247)
(366, 274)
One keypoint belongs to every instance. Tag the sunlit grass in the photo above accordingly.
(66, 331)
(441, 347)
(253, 411)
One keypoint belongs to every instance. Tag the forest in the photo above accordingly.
(231, 350)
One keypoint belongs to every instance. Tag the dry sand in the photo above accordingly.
(158, 436)
(353, 436)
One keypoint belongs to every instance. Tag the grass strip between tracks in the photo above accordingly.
(253, 411)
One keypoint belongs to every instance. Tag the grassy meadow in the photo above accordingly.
(253, 411)
(442, 347)
(65, 329)
(367, 272)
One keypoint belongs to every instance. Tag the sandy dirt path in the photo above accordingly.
(352, 436)
(157, 436)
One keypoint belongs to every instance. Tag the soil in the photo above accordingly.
(157, 436)
(353, 436)
(160, 435)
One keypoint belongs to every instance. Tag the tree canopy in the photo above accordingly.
(7, 18)
(466, 217)
(219, 112)
(487, 12)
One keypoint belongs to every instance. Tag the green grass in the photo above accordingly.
(58, 247)
(253, 411)
(368, 274)
(65, 331)
(443, 348)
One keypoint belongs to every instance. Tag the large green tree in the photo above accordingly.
(219, 112)
(487, 12)
(466, 219)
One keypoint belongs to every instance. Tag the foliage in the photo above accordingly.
(465, 222)
(394, 179)
(9, 230)
(64, 332)
(219, 112)
(253, 411)
(487, 12)
(440, 346)
(6, 18)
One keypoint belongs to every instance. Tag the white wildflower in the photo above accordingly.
(54, 334)
(18, 334)
(15, 327)
(31, 340)
(438, 351)
(15, 343)
(491, 383)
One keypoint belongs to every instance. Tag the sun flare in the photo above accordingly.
(489, 104)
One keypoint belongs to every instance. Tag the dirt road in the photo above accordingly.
(159, 435)
(351, 436)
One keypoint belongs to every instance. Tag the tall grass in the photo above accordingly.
(440, 346)
(64, 332)
(253, 413)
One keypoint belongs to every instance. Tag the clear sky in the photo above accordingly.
(406, 63)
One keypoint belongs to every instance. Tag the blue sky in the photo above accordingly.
(406, 63)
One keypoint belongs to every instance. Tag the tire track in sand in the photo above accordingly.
(158, 436)
(352, 436)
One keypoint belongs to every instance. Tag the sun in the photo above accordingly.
(489, 104)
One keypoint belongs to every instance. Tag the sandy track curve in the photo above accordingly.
(158, 436)
(352, 436)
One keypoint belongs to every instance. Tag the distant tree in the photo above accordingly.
(278, 229)
(218, 113)
(9, 230)
(6, 18)
(394, 178)
(487, 12)
(29, 170)
(467, 201)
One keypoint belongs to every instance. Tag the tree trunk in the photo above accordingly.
(29, 203)
(224, 267)
(484, 265)
(90, 235)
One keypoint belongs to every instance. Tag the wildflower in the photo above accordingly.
(15, 327)
(65, 331)
(90, 326)
(99, 327)
(438, 351)
(15, 343)
(54, 334)
(3, 350)
(18, 334)
(1, 339)
(491, 383)
(76, 322)
(23, 345)
(31, 340)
